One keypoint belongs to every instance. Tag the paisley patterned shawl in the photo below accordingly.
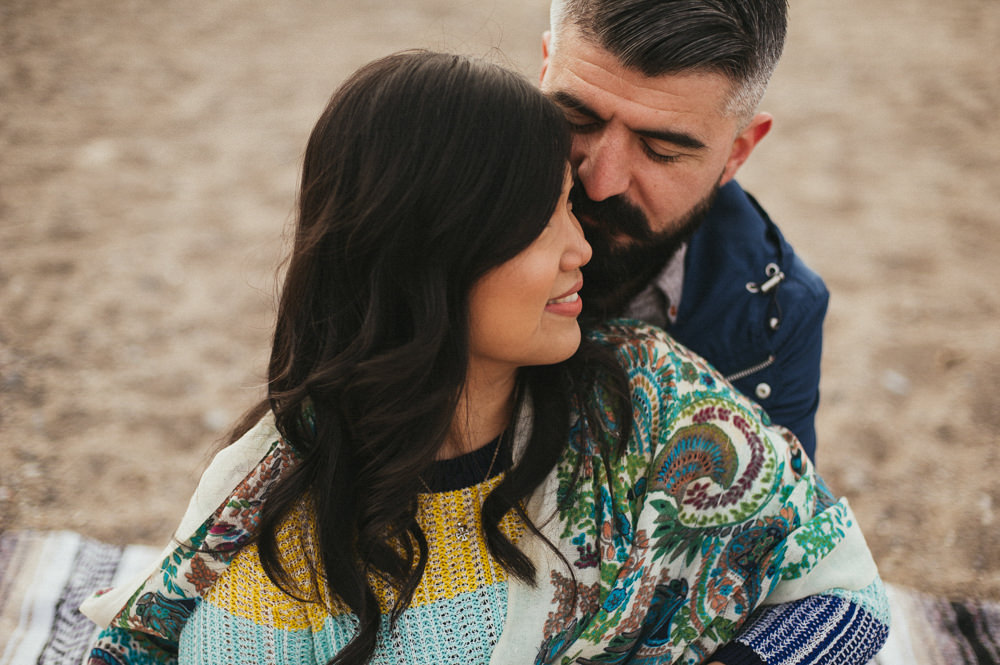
(712, 513)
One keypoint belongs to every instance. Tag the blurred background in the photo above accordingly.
(148, 162)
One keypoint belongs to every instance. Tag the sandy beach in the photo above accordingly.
(149, 162)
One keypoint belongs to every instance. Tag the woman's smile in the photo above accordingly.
(568, 304)
(507, 329)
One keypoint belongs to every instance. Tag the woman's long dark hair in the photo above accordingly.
(424, 172)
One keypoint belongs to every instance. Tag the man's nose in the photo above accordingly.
(602, 164)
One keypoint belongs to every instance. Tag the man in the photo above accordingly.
(662, 96)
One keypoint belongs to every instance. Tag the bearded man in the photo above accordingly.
(663, 99)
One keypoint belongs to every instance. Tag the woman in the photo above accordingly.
(446, 471)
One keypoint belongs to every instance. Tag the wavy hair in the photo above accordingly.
(425, 171)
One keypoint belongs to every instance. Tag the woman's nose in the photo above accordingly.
(579, 251)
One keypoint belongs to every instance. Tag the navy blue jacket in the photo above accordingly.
(766, 341)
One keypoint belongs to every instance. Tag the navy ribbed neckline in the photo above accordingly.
(466, 470)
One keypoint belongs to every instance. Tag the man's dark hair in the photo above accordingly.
(740, 39)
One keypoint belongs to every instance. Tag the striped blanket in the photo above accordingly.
(44, 576)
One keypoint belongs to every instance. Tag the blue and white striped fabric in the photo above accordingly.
(44, 576)
(775, 638)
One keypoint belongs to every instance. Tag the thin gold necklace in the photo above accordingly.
(489, 469)
(463, 528)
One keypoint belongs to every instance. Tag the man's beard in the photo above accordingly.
(617, 273)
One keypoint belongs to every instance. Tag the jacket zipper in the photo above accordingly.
(742, 374)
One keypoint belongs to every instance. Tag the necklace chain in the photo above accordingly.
(489, 469)
(463, 530)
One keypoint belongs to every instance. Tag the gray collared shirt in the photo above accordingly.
(658, 302)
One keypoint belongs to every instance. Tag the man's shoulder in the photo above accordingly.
(739, 245)
(738, 231)
(746, 293)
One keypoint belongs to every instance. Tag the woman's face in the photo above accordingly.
(524, 311)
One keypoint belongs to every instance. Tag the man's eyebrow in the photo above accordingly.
(568, 101)
(680, 139)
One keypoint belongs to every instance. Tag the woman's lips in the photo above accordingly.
(570, 298)
(568, 304)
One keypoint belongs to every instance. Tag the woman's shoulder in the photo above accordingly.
(678, 397)
(221, 517)
(628, 335)
(245, 586)
(250, 457)
(649, 355)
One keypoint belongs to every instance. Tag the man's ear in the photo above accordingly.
(546, 39)
(744, 144)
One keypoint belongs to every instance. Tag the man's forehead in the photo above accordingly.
(595, 77)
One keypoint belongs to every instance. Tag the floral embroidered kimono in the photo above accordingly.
(710, 514)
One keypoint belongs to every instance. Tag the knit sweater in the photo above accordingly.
(458, 609)
(456, 614)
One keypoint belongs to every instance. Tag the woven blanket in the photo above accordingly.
(44, 576)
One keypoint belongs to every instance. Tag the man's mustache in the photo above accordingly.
(614, 216)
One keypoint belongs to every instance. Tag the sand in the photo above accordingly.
(149, 163)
